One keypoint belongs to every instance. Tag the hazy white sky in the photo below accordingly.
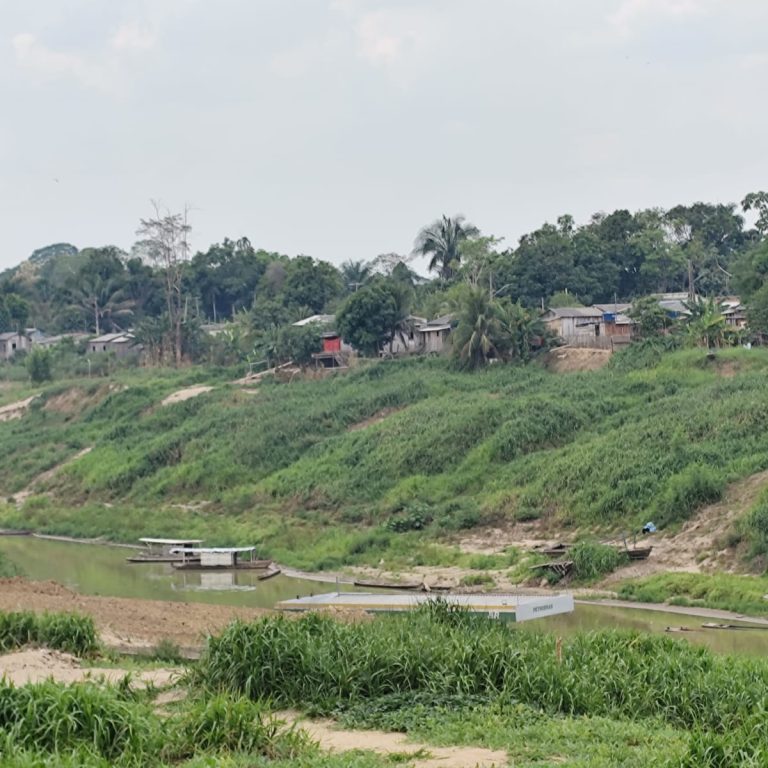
(337, 128)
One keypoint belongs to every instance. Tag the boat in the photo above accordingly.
(555, 549)
(638, 553)
(407, 586)
(270, 574)
(219, 559)
(13, 532)
(163, 550)
(713, 625)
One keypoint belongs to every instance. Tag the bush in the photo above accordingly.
(592, 560)
(38, 364)
(754, 526)
(414, 517)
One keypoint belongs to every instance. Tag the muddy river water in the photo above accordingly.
(96, 569)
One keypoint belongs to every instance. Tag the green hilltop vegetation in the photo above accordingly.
(168, 296)
(392, 458)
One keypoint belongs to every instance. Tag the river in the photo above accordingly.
(96, 569)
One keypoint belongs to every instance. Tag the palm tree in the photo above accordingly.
(479, 334)
(441, 241)
(100, 299)
(355, 274)
(522, 329)
(706, 323)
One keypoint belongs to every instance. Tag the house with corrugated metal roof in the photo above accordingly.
(120, 344)
(569, 322)
(432, 337)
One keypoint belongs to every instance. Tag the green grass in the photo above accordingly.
(730, 592)
(530, 737)
(282, 468)
(315, 661)
(7, 568)
(448, 677)
(592, 560)
(61, 631)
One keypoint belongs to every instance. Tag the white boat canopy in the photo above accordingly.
(171, 542)
(212, 550)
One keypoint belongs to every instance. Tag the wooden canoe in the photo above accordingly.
(638, 553)
(557, 549)
(712, 625)
(269, 574)
(412, 587)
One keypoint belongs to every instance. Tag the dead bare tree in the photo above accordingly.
(164, 239)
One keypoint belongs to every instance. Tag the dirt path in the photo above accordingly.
(698, 546)
(15, 410)
(49, 474)
(573, 359)
(38, 664)
(185, 394)
(123, 622)
(336, 739)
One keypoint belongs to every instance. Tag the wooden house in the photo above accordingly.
(11, 343)
(120, 344)
(571, 322)
(433, 337)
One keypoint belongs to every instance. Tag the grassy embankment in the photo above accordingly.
(289, 468)
(442, 676)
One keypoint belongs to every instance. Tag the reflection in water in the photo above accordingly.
(220, 581)
(102, 570)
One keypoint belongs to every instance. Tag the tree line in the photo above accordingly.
(165, 293)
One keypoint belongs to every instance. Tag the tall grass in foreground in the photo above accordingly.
(60, 631)
(438, 657)
(115, 724)
(49, 717)
(330, 665)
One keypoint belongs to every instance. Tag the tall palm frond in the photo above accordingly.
(441, 241)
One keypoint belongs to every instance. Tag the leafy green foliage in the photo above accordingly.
(442, 242)
(39, 365)
(370, 316)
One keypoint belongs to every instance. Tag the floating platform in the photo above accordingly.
(505, 607)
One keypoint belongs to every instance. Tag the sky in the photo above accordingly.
(338, 128)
